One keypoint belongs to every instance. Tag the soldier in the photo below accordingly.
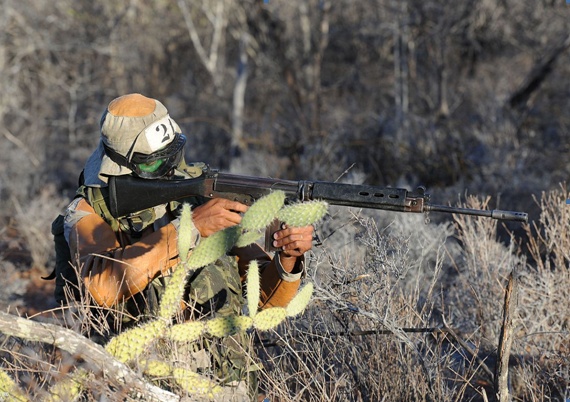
(125, 263)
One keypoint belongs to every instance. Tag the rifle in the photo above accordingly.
(129, 194)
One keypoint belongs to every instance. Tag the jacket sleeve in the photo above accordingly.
(278, 287)
(110, 272)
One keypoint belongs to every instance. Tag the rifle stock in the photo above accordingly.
(128, 194)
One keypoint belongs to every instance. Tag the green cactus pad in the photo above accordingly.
(303, 213)
(133, 342)
(263, 211)
(185, 232)
(249, 237)
(300, 301)
(187, 332)
(222, 326)
(170, 302)
(213, 247)
(269, 318)
(194, 384)
(253, 288)
(69, 388)
(243, 323)
(156, 368)
(8, 387)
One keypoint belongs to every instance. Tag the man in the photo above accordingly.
(125, 263)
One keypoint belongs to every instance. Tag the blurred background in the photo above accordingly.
(469, 99)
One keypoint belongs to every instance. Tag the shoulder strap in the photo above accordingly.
(98, 198)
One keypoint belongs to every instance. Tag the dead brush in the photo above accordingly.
(357, 342)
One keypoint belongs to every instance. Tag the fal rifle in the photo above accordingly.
(129, 194)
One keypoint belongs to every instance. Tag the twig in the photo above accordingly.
(468, 348)
(16, 141)
(506, 339)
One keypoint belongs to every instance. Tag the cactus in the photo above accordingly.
(300, 301)
(194, 384)
(191, 382)
(221, 326)
(263, 211)
(303, 213)
(253, 288)
(269, 318)
(156, 368)
(9, 390)
(69, 388)
(213, 247)
(131, 343)
(174, 292)
(248, 237)
(185, 233)
(187, 332)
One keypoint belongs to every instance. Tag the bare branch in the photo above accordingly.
(82, 347)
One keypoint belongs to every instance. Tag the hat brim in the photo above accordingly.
(99, 166)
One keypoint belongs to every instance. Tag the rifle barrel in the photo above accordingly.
(495, 213)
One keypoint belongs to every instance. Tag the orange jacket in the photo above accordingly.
(115, 267)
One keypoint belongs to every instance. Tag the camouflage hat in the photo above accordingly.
(131, 125)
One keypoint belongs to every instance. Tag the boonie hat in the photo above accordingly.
(136, 131)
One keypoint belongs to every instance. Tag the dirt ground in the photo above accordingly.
(23, 291)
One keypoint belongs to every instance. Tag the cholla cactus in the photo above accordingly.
(185, 236)
(269, 318)
(263, 211)
(131, 344)
(300, 301)
(9, 391)
(187, 332)
(253, 288)
(68, 389)
(303, 213)
(213, 247)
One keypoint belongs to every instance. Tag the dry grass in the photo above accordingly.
(403, 311)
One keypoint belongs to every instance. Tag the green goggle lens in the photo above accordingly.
(151, 167)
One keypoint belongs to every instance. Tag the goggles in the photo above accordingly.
(155, 165)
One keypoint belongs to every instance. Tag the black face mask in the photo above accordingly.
(155, 165)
